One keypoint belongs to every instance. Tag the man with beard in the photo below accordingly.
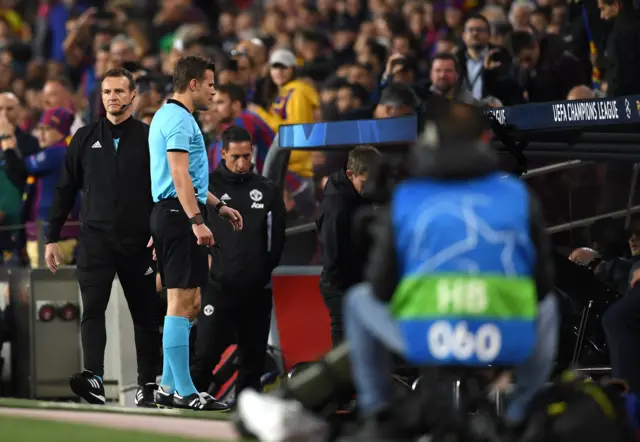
(444, 81)
(484, 68)
(343, 195)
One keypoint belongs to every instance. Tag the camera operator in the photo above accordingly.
(453, 221)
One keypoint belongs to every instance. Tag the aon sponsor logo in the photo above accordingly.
(257, 206)
(447, 341)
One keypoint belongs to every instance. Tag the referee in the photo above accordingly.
(237, 300)
(109, 164)
(179, 182)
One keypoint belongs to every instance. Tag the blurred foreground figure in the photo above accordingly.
(459, 258)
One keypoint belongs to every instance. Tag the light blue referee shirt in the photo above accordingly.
(173, 128)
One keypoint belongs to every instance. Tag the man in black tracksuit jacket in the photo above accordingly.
(237, 300)
(109, 162)
(341, 267)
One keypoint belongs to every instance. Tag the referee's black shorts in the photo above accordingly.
(182, 263)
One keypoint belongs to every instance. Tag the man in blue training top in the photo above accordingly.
(179, 184)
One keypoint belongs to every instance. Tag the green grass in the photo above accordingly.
(72, 406)
(15, 429)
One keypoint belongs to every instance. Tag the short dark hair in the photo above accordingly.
(234, 91)
(189, 68)
(121, 72)
(35, 85)
(399, 94)
(445, 56)
(333, 83)
(378, 50)
(477, 16)
(403, 35)
(358, 91)
(518, 41)
(458, 123)
(362, 159)
(235, 134)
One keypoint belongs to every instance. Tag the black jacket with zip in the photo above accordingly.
(115, 184)
(243, 261)
(341, 267)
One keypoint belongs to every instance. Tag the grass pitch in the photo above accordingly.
(72, 406)
(18, 429)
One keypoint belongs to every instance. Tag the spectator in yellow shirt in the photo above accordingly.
(296, 102)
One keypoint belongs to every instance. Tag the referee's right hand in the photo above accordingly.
(204, 235)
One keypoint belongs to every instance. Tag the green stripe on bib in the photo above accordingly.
(462, 295)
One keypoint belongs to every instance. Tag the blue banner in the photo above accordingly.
(341, 133)
(570, 114)
(556, 115)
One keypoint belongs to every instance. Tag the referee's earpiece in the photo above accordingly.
(125, 106)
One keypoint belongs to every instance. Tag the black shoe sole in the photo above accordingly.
(163, 404)
(146, 405)
(186, 407)
(157, 405)
(78, 388)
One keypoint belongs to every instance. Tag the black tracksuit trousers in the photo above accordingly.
(100, 258)
(333, 301)
(227, 318)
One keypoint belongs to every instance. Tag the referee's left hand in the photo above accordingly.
(153, 249)
(233, 216)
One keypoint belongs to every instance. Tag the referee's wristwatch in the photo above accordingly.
(197, 220)
(219, 206)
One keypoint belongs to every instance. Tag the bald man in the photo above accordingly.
(9, 109)
(581, 92)
(58, 92)
(583, 256)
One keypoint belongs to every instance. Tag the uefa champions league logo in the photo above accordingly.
(627, 108)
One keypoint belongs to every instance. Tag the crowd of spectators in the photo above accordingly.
(298, 61)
